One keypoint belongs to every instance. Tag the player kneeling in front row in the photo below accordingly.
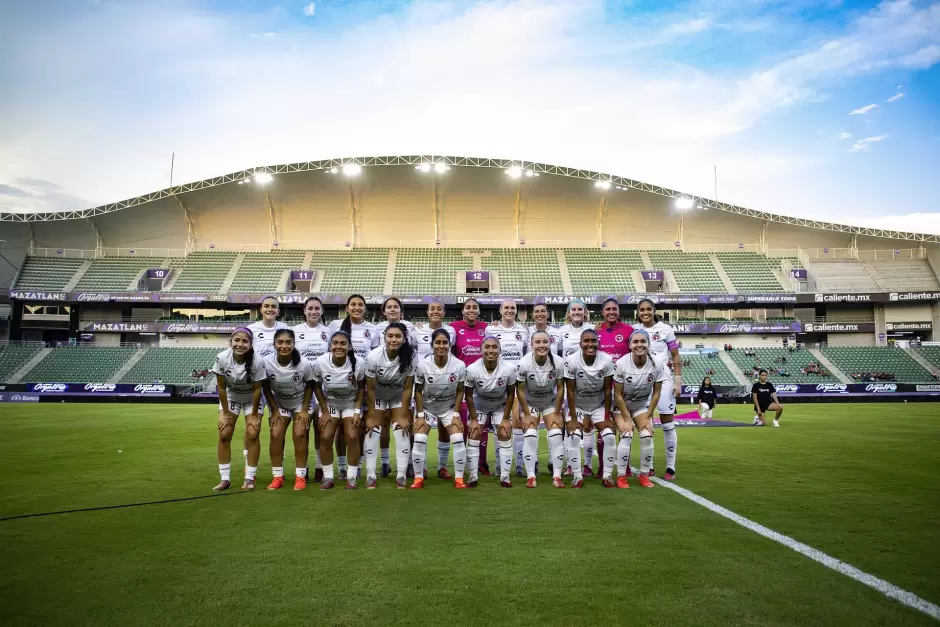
(638, 384)
(489, 402)
(439, 390)
(338, 384)
(240, 376)
(540, 390)
(390, 375)
(589, 382)
(765, 399)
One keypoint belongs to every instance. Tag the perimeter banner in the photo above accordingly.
(100, 389)
(825, 389)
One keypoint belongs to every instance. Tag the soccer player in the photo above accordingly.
(239, 375)
(513, 340)
(540, 315)
(263, 343)
(312, 340)
(289, 388)
(489, 401)
(613, 339)
(339, 386)
(540, 390)
(575, 323)
(439, 390)
(707, 397)
(638, 383)
(364, 338)
(765, 399)
(467, 348)
(421, 338)
(589, 382)
(390, 371)
(393, 311)
(663, 344)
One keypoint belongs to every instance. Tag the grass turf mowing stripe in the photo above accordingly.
(886, 588)
(121, 506)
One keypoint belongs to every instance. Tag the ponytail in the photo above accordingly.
(249, 360)
(406, 353)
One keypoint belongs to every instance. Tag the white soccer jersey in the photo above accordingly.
(540, 381)
(661, 336)
(571, 339)
(263, 337)
(439, 395)
(311, 341)
(339, 383)
(513, 342)
(490, 389)
(365, 337)
(239, 384)
(388, 374)
(554, 336)
(288, 382)
(638, 382)
(421, 338)
(589, 379)
(380, 329)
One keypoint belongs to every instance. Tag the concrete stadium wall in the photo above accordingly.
(193, 340)
(107, 339)
(230, 216)
(159, 224)
(14, 250)
(908, 313)
(558, 210)
(478, 206)
(851, 339)
(736, 340)
(65, 234)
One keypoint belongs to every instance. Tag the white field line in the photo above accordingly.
(884, 587)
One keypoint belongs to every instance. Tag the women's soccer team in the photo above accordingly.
(359, 385)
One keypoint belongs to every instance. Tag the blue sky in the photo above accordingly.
(819, 109)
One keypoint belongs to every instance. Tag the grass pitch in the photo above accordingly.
(859, 482)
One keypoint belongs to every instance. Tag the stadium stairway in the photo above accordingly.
(230, 277)
(390, 271)
(29, 365)
(733, 367)
(919, 358)
(831, 367)
(77, 276)
(725, 279)
(563, 269)
(123, 370)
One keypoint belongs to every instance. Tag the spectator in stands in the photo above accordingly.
(195, 374)
(707, 397)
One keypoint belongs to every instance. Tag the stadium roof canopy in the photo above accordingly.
(474, 162)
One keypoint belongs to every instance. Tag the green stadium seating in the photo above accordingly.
(526, 270)
(593, 270)
(172, 365)
(202, 271)
(694, 272)
(47, 273)
(74, 364)
(348, 271)
(261, 272)
(15, 356)
(751, 272)
(694, 374)
(931, 354)
(852, 360)
(115, 273)
(796, 360)
(429, 270)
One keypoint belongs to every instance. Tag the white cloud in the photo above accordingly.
(310, 9)
(689, 27)
(844, 135)
(895, 97)
(864, 145)
(863, 110)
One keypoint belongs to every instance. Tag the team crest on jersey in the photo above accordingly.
(656, 337)
(350, 378)
(367, 334)
(323, 336)
(453, 378)
(499, 383)
(649, 378)
(619, 338)
(518, 337)
(480, 332)
(295, 378)
(551, 376)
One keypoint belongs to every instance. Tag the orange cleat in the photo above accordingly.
(558, 483)
(276, 484)
(645, 481)
(224, 485)
(417, 484)
(622, 482)
(442, 473)
(577, 484)
(459, 484)
(530, 482)
(300, 483)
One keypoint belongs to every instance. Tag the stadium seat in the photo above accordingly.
(903, 274)
(694, 272)
(202, 271)
(15, 356)
(352, 270)
(80, 364)
(525, 270)
(47, 273)
(429, 270)
(592, 270)
(694, 373)
(931, 354)
(262, 272)
(851, 360)
(796, 361)
(115, 273)
(173, 365)
(751, 272)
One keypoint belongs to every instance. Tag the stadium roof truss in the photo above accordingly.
(474, 162)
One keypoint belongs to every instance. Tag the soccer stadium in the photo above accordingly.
(116, 314)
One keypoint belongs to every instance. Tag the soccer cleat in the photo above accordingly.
(300, 483)
(567, 472)
(558, 483)
(608, 482)
(417, 484)
(342, 474)
(351, 484)
(400, 483)
(505, 484)
(520, 472)
(249, 484)
(459, 484)
(577, 484)
(485, 470)
(223, 485)
(371, 483)
(670, 474)
(645, 481)
(410, 473)
(622, 483)
(386, 470)
(587, 472)
(318, 475)
(537, 468)
(442, 473)
(776, 423)
(327, 484)
(425, 474)
(628, 472)
(652, 472)
(276, 484)
(472, 483)
(530, 482)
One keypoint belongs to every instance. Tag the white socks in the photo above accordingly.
(505, 459)
(341, 462)
(278, 471)
(588, 440)
(460, 454)
(473, 458)
(574, 453)
(319, 463)
(623, 454)
(402, 451)
(352, 473)
(251, 472)
(419, 454)
(646, 451)
(672, 442)
(556, 448)
(443, 452)
(530, 451)
(328, 472)
(610, 446)
(301, 472)
(372, 450)
(518, 443)
(225, 471)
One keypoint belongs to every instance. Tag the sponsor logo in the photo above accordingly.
(909, 326)
(832, 327)
(788, 388)
(20, 295)
(93, 297)
(190, 327)
(842, 298)
(928, 387)
(21, 398)
(734, 328)
(832, 387)
(100, 387)
(881, 387)
(901, 296)
(3, 388)
(121, 327)
(763, 298)
(690, 389)
(374, 300)
(49, 387)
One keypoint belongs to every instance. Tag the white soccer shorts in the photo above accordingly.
(667, 398)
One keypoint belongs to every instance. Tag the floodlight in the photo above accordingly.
(514, 172)
(352, 169)
(263, 177)
(684, 204)
(440, 168)
(602, 184)
(529, 173)
(424, 167)
(332, 170)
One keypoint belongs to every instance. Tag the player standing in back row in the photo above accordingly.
(613, 339)
(467, 347)
(513, 341)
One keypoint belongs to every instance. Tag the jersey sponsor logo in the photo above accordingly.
(512, 355)
(470, 350)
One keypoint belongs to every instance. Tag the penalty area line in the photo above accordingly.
(886, 588)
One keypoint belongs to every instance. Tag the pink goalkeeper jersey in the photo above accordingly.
(469, 340)
(614, 341)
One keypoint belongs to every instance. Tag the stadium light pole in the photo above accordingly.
(519, 175)
(352, 171)
(683, 204)
(263, 179)
(434, 169)
(604, 186)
